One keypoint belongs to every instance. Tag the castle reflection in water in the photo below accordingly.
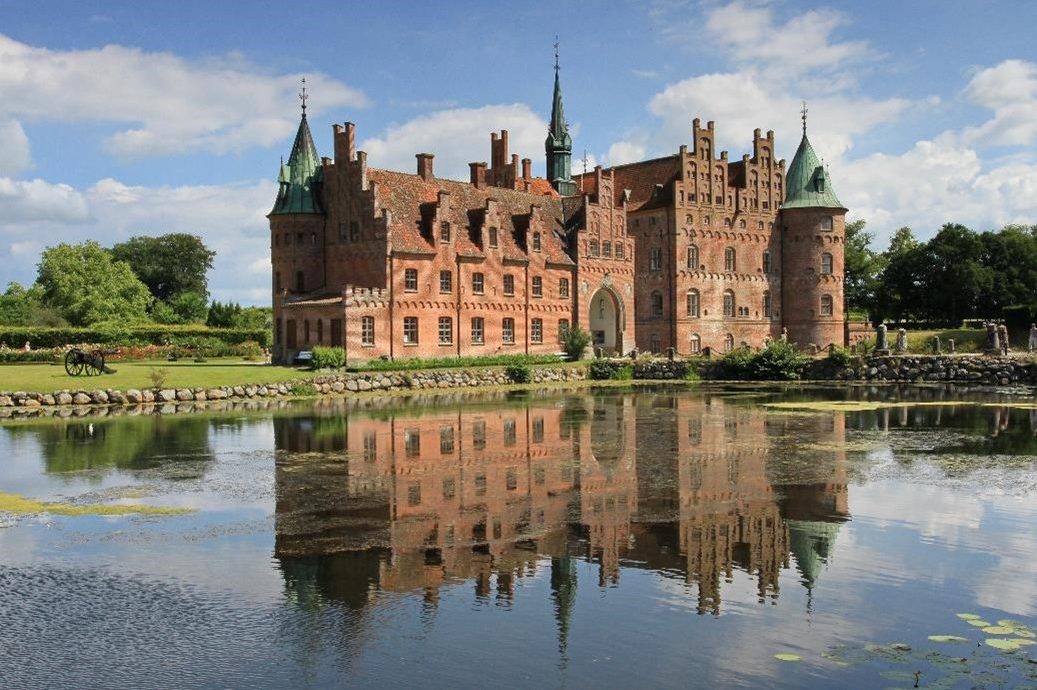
(688, 486)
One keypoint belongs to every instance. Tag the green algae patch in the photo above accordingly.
(997, 630)
(948, 638)
(968, 616)
(785, 656)
(20, 505)
(1008, 644)
(978, 623)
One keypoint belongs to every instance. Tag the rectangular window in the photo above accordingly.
(446, 440)
(410, 280)
(446, 330)
(509, 432)
(508, 331)
(511, 479)
(477, 330)
(539, 475)
(480, 490)
(766, 263)
(509, 285)
(410, 330)
(446, 281)
(444, 232)
(563, 328)
(343, 232)
(606, 248)
(478, 283)
(536, 330)
(412, 442)
(619, 250)
(826, 223)
(563, 288)
(354, 231)
(414, 495)
(593, 248)
(478, 434)
(538, 429)
(655, 259)
(449, 489)
(538, 286)
(493, 237)
(370, 446)
(367, 331)
(536, 241)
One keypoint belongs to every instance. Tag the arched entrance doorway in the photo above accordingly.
(606, 317)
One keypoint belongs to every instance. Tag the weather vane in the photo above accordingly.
(556, 51)
(803, 112)
(303, 96)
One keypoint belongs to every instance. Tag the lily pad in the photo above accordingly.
(948, 638)
(1008, 644)
(785, 656)
(968, 616)
(1024, 633)
(998, 630)
(978, 623)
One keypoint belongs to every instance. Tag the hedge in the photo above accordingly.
(152, 334)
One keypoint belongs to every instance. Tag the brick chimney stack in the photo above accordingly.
(527, 169)
(478, 175)
(424, 165)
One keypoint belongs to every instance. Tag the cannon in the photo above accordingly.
(90, 363)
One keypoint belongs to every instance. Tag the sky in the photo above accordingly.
(140, 118)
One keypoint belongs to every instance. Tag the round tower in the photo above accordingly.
(296, 236)
(812, 220)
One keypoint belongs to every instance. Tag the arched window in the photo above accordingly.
(729, 259)
(741, 223)
(767, 304)
(693, 303)
(826, 305)
(693, 258)
(729, 303)
(826, 264)
(729, 343)
(696, 343)
(766, 262)
(657, 305)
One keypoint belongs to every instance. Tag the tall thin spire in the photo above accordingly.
(558, 145)
(303, 97)
(803, 114)
(301, 177)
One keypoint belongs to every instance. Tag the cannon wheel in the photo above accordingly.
(73, 363)
(95, 363)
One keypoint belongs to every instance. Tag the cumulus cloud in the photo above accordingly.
(14, 148)
(625, 152)
(230, 218)
(1010, 90)
(168, 104)
(457, 137)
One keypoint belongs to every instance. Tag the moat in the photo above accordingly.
(704, 536)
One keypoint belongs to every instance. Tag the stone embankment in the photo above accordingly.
(22, 402)
(999, 371)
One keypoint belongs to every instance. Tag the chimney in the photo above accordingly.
(345, 142)
(424, 165)
(478, 175)
(527, 168)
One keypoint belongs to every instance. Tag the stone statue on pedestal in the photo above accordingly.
(881, 343)
(901, 341)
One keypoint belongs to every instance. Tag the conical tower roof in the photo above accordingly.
(301, 177)
(806, 183)
(811, 543)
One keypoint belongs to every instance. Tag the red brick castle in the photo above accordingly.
(687, 251)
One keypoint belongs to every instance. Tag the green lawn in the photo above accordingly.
(137, 374)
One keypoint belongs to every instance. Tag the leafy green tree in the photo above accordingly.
(222, 315)
(1011, 256)
(85, 285)
(187, 307)
(955, 278)
(863, 268)
(170, 265)
(900, 286)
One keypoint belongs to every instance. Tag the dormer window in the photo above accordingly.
(493, 237)
(444, 232)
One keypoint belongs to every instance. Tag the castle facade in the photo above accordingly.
(689, 251)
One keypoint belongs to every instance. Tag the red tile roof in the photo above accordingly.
(641, 179)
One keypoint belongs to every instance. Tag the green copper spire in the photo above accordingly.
(806, 183)
(559, 144)
(301, 177)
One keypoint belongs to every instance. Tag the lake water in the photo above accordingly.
(646, 537)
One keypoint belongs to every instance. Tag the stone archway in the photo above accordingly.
(606, 321)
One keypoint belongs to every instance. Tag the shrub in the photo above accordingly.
(303, 390)
(328, 357)
(519, 373)
(841, 357)
(779, 361)
(158, 377)
(575, 341)
(610, 369)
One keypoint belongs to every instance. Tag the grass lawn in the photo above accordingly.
(137, 374)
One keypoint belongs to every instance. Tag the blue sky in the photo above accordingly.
(125, 118)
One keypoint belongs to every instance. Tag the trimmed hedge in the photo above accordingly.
(151, 334)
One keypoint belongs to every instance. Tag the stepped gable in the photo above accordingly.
(642, 180)
(412, 202)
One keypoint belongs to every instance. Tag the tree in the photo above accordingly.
(186, 307)
(169, 265)
(1011, 257)
(899, 285)
(954, 278)
(86, 286)
(24, 307)
(862, 269)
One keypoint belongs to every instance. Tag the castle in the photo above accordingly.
(689, 251)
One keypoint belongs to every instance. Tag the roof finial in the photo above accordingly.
(803, 112)
(556, 52)
(303, 96)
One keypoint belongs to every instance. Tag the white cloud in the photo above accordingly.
(14, 148)
(170, 104)
(457, 137)
(1010, 90)
(625, 152)
(230, 219)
